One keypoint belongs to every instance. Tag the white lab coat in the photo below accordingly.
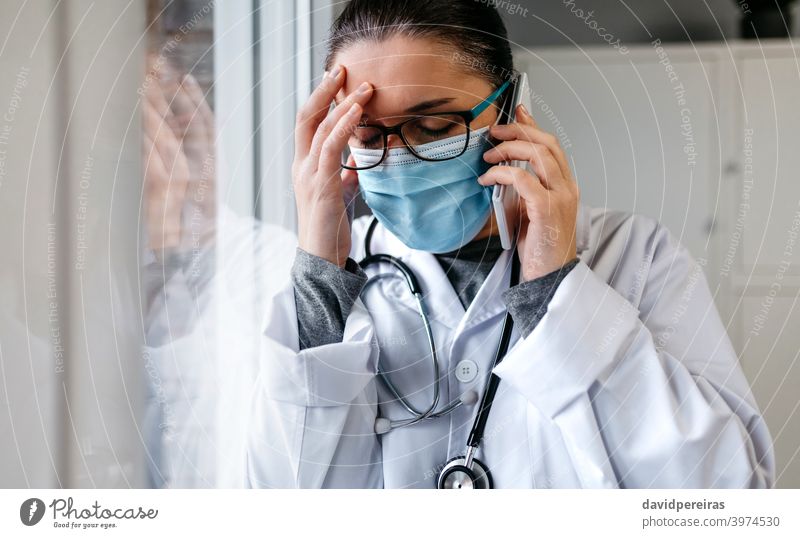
(629, 380)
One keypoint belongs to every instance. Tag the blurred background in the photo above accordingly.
(147, 210)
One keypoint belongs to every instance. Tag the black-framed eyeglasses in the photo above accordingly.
(419, 131)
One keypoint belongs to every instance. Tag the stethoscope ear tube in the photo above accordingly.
(411, 279)
(370, 258)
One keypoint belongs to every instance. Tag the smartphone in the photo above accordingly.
(505, 200)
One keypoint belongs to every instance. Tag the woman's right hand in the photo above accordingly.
(319, 181)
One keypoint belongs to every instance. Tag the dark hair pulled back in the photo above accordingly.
(472, 29)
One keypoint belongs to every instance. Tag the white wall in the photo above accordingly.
(730, 192)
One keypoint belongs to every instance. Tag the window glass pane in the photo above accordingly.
(179, 243)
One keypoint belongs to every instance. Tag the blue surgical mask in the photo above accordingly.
(436, 206)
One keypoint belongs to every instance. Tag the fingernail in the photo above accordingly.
(363, 88)
(335, 71)
(525, 111)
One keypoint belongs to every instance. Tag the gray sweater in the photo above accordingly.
(325, 293)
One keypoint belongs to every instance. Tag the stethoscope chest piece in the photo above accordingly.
(457, 475)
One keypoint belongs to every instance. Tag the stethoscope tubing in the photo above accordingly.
(476, 432)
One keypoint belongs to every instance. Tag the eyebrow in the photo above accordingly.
(420, 107)
(427, 105)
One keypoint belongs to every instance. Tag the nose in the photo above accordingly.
(394, 141)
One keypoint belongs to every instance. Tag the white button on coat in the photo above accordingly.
(466, 371)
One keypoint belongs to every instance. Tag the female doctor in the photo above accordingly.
(616, 369)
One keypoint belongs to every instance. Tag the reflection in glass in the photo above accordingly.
(201, 265)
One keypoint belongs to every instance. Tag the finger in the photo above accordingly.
(531, 133)
(155, 96)
(350, 177)
(191, 127)
(162, 164)
(185, 111)
(524, 116)
(546, 168)
(153, 166)
(360, 96)
(163, 140)
(512, 150)
(316, 108)
(163, 195)
(538, 155)
(150, 119)
(331, 150)
(154, 111)
(181, 102)
(153, 122)
(527, 185)
(350, 183)
(198, 99)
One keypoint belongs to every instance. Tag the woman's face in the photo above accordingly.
(412, 76)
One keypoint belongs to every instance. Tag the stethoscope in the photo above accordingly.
(461, 472)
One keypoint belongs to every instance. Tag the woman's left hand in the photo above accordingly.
(548, 203)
